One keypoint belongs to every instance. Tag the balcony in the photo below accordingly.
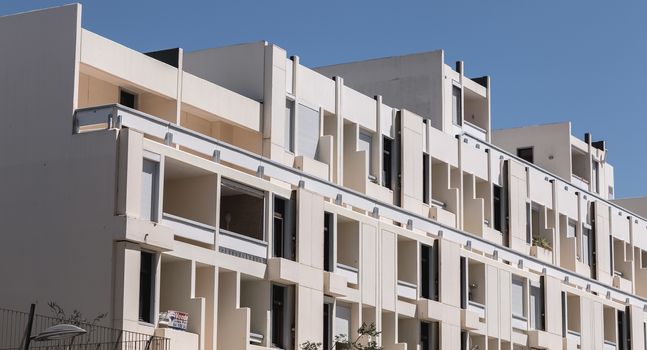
(242, 246)
(189, 229)
(609, 345)
(351, 273)
(407, 290)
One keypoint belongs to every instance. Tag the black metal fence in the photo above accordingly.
(13, 327)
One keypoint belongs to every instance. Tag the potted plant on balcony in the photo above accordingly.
(366, 340)
(541, 249)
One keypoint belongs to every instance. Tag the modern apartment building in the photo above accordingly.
(278, 204)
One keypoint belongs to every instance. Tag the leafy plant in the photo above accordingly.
(366, 340)
(542, 243)
(76, 317)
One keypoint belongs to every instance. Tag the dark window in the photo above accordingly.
(429, 336)
(464, 340)
(624, 334)
(564, 315)
(611, 257)
(278, 315)
(284, 239)
(282, 317)
(328, 241)
(457, 109)
(327, 325)
(242, 209)
(596, 176)
(526, 153)
(387, 145)
(528, 223)
(497, 203)
(289, 126)
(146, 287)
(429, 271)
(127, 99)
(425, 178)
(463, 276)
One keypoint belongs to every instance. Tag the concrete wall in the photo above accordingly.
(40, 62)
(551, 142)
(413, 82)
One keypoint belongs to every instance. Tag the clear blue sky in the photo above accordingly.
(550, 60)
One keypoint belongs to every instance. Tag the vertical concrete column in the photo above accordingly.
(338, 158)
(380, 139)
(368, 264)
(207, 287)
(274, 95)
(178, 97)
(310, 227)
(637, 328)
(449, 273)
(553, 305)
(492, 300)
(505, 312)
(129, 173)
(309, 315)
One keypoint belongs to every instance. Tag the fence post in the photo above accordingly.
(118, 339)
(30, 322)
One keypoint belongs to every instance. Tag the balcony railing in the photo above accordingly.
(580, 182)
(609, 345)
(520, 322)
(574, 336)
(407, 290)
(116, 117)
(351, 273)
(477, 308)
(189, 229)
(475, 131)
(242, 246)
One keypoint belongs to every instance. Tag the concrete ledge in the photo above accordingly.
(470, 320)
(406, 308)
(335, 284)
(544, 340)
(147, 233)
(311, 166)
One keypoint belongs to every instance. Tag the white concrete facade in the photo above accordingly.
(278, 204)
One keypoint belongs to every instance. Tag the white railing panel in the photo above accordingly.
(351, 273)
(477, 308)
(474, 130)
(519, 322)
(242, 244)
(189, 229)
(407, 290)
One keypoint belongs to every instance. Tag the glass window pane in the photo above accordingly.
(308, 135)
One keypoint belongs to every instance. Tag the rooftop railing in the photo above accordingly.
(117, 116)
